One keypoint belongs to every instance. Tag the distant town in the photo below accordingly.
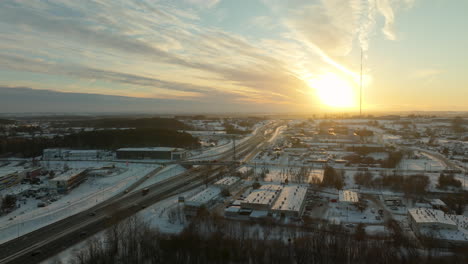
(383, 178)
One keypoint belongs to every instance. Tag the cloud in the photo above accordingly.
(204, 3)
(386, 11)
(164, 49)
(426, 73)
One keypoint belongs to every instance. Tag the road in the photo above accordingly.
(54, 238)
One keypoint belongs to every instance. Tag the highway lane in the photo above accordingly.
(52, 239)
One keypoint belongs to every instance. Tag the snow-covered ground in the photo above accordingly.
(91, 192)
(427, 164)
(165, 173)
(166, 216)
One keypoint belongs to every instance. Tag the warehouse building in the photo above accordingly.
(228, 183)
(206, 199)
(73, 154)
(262, 198)
(68, 180)
(158, 153)
(448, 229)
(291, 201)
(10, 176)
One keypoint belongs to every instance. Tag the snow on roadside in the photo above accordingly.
(89, 193)
(166, 173)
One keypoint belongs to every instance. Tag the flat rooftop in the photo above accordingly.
(431, 216)
(68, 175)
(348, 196)
(151, 149)
(291, 198)
(228, 181)
(204, 196)
(265, 195)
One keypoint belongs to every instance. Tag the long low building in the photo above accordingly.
(68, 180)
(228, 183)
(158, 153)
(10, 176)
(446, 228)
(205, 198)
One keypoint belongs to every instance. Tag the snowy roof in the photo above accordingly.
(266, 195)
(83, 151)
(430, 216)
(68, 175)
(204, 196)
(291, 198)
(348, 196)
(151, 149)
(437, 202)
(227, 181)
(232, 209)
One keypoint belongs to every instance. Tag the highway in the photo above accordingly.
(54, 238)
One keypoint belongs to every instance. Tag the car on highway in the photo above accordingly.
(35, 253)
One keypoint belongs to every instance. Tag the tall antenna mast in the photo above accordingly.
(360, 90)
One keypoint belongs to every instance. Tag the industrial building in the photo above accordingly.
(291, 201)
(72, 154)
(228, 183)
(348, 197)
(68, 180)
(159, 153)
(262, 198)
(206, 199)
(10, 176)
(446, 228)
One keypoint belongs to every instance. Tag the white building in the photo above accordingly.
(446, 228)
(228, 183)
(205, 198)
(291, 201)
(349, 197)
(262, 198)
(71, 154)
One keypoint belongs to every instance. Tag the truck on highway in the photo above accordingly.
(145, 191)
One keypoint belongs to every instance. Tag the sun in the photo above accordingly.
(333, 91)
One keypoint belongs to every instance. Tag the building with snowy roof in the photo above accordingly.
(446, 228)
(262, 198)
(159, 153)
(290, 201)
(10, 176)
(68, 180)
(349, 197)
(228, 183)
(205, 198)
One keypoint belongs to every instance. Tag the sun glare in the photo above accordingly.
(333, 91)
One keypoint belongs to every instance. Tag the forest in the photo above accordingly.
(100, 139)
(210, 239)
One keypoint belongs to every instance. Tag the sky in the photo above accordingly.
(233, 55)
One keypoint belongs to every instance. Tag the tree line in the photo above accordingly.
(213, 240)
(99, 139)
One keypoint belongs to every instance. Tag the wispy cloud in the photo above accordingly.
(164, 45)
